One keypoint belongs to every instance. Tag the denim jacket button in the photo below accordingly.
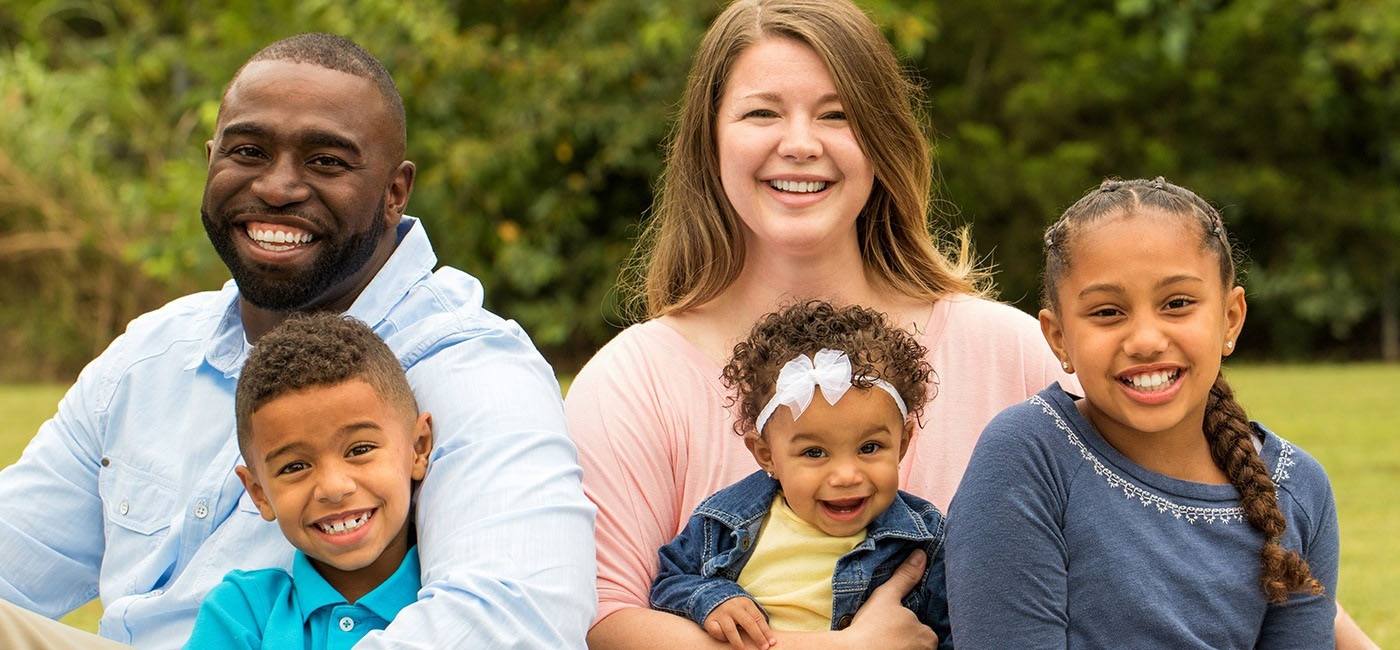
(745, 542)
(844, 623)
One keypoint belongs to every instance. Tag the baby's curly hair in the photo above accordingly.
(878, 350)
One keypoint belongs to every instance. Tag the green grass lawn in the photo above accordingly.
(1345, 416)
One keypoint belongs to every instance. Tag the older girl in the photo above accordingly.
(1150, 512)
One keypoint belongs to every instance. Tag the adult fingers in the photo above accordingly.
(904, 579)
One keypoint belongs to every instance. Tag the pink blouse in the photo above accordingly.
(655, 438)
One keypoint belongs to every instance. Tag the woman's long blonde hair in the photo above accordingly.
(693, 246)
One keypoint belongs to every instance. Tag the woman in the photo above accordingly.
(797, 169)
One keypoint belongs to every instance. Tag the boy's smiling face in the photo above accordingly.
(334, 466)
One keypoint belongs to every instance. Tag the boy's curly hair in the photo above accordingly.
(314, 350)
(878, 350)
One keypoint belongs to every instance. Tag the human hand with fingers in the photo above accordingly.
(883, 622)
(739, 619)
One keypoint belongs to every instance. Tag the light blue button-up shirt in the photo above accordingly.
(271, 608)
(129, 493)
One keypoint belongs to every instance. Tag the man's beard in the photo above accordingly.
(336, 262)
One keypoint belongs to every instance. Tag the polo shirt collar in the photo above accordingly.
(312, 592)
(413, 259)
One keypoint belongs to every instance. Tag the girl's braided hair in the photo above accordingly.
(1227, 427)
(877, 349)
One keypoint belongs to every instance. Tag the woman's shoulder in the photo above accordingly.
(642, 353)
(968, 315)
(992, 344)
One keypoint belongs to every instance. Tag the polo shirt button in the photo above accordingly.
(844, 623)
(347, 624)
(124, 507)
(201, 509)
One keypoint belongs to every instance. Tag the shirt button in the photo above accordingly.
(347, 624)
(124, 507)
(201, 508)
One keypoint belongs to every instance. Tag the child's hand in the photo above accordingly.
(740, 614)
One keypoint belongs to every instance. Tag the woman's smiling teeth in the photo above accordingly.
(344, 525)
(278, 239)
(1149, 382)
(799, 187)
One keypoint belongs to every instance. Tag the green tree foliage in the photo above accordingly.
(537, 128)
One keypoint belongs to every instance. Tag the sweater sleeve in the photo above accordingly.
(680, 587)
(1306, 620)
(1007, 560)
(616, 421)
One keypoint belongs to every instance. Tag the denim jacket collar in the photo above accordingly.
(747, 502)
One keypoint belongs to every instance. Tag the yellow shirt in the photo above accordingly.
(790, 571)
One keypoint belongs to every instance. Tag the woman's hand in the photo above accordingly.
(883, 622)
(736, 615)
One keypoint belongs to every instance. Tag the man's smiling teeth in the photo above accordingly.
(344, 525)
(278, 240)
(1152, 381)
(801, 187)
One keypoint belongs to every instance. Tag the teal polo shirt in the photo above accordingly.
(270, 608)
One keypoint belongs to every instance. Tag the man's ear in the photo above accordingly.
(760, 450)
(208, 150)
(1054, 335)
(422, 445)
(255, 491)
(396, 195)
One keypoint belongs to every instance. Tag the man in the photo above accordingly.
(129, 492)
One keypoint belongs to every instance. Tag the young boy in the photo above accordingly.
(334, 443)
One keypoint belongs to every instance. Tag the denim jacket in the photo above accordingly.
(700, 567)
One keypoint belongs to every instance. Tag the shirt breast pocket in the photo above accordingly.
(135, 500)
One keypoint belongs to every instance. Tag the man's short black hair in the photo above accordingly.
(316, 349)
(342, 55)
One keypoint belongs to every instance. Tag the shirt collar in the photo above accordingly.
(312, 592)
(900, 520)
(412, 260)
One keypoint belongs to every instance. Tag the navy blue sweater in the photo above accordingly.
(1056, 540)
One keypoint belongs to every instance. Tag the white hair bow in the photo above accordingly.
(829, 370)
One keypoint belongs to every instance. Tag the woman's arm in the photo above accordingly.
(882, 622)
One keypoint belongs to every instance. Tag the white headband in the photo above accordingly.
(829, 370)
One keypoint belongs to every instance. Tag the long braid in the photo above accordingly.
(1231, 439)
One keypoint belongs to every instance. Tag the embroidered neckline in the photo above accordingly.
(1130, 489)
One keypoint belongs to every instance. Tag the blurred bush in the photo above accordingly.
(537, 127)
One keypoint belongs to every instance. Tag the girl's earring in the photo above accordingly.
(1065, 365)
(770, 474)
(1229, 345)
